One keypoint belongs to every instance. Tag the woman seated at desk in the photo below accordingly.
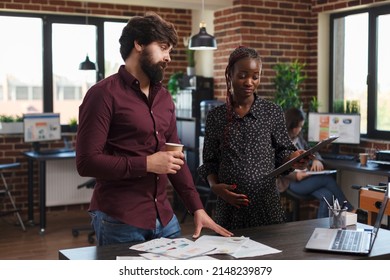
(302, 183)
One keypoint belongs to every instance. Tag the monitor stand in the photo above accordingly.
(335, 148)
(36, 147)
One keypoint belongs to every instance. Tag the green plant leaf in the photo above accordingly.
(287, 82)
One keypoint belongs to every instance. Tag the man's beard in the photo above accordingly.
(155, 71)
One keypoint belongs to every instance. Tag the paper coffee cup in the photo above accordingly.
(174, 147)
(363, 158)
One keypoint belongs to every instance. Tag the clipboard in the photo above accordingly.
(287, 165)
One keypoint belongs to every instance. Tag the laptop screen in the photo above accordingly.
(381, 213)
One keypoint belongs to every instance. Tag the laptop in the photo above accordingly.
(358, 241)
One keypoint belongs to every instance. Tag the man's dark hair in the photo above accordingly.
(147, 29)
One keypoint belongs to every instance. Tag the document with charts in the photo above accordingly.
(179, 248)
(238, 247)
(224, 245)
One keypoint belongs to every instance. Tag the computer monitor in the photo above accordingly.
(324, 125)
(41, 127)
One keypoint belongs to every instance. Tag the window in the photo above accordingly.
(21, 64)
(383, 81)
(359, 64)
(112, 57)
(71, 44)
(40, 57)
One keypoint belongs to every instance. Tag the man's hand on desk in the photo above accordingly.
(201, 220)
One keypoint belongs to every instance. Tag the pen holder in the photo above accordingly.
(338, 218)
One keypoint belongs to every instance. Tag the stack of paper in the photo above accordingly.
(182, 248)
(178, 248)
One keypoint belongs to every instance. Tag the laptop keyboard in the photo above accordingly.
(347, 240)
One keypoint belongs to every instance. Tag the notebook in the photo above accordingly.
(357, 241)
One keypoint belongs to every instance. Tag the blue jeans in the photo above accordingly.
(111, 231)
(320, 186)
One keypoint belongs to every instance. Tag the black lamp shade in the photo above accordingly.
(202, 41)
(87, 65)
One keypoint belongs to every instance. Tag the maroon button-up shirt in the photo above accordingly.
(118, 127)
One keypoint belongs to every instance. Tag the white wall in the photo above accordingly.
(323, 62)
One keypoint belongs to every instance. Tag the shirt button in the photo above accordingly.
(151, 112)
(158, 178)
(155, 200)
(156, 132)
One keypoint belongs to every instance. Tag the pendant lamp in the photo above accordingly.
(87, 64)
(202, 40)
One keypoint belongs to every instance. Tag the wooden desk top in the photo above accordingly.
(291, 238)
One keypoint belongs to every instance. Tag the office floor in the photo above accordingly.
(18, 245)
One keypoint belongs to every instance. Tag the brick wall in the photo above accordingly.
(280, 30)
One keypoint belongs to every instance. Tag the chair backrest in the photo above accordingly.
(90, 184)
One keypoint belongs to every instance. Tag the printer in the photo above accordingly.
(383, 155)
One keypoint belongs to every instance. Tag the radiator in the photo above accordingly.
(62, 180)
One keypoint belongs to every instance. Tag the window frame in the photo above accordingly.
(47, 61)
(373, 13)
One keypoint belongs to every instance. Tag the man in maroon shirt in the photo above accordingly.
(124, 122)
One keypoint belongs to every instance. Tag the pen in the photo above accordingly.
(336, 204)
(330, 207)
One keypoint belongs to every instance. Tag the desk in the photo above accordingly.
(352, 165)
(291, 238)
(370, 201)
(351, 173)
(41, 158)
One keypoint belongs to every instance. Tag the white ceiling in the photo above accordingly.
(183, 4)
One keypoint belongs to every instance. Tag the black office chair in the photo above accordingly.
(90, 184)
(296, 200)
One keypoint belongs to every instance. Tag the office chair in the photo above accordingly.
(76, 231)
(296, 200)
(5, 190)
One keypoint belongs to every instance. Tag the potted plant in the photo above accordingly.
(314, 104)
(173, 84)
(190, 55)
(287, 82)
(338, 106)
(73, 124)
(11, 124)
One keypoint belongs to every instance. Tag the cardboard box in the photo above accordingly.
(351, 219)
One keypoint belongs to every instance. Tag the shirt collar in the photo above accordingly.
(255, 108)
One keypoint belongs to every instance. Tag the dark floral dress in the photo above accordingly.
(242, 152)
